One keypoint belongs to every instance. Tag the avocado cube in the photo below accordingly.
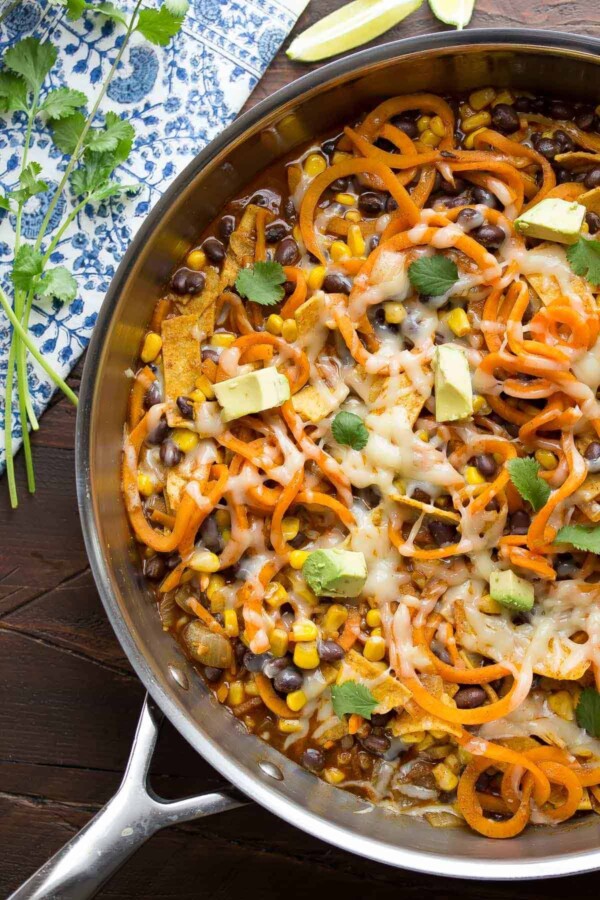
(511, 591)
(552, 219)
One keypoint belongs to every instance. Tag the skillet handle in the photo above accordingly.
(133, 815)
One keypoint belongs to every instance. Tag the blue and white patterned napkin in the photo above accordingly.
(178, 98)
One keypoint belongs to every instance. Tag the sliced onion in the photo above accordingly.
(206, 647)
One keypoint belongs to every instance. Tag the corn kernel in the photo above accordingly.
(546, 459)
(289, 726)
(289, 330)
(376, 632)
(503, 97)
(204, 561)
(465, 110)
(145, 484)
(374, 649)
(477, 120)
(314, 164)
(339, 156)
(222, 692)
(489, 606)
(333, 775)
(222, 339)
(232, 626)
(373, 618)
(251, 688)
(458, 322)
(204, 384)
(356, 241)
(236, 693)
(562, 704)
(305, 593)
(437, 126)
(305, 631)
(276, 595)
(226, 535)
(294, 177)
(198, 396)
(196, 260)
(215, 583)
(423, 436)
(353, 215)
(339, 250)
(334, 618)
(345, 199)
(482, 98)
(316, 277)
(306, 655)
(451, 761)
(429, 138)
(274, 324)
(152, 347)
(279, 641)
(427, 742)
(423, 123)
(298, 558)
(414, 737)
(480, 405)
(290, 526)
(445, 778)
(469, 141)
(222, 518)
(394, 312)
(473, 475)
(296, 700)
(185, 439)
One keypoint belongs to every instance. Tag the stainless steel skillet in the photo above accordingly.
(542, 62)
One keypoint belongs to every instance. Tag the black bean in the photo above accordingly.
(154, 568)
(186, 407)
(470, 697)
(486, 464)
(505, 118)
(592, 221)
(562, 175)
(408, 126)
(254, 662)
(376, 743)
(522, 104)
(339, 185)
(438, 339)
(347, 742)
(371, 202)
(469, 218)
(486, 198)
(211, 674)
(592, 455)
(421, 496)
(158, 433)
(491, 236)
(461, 200)
(152, 395)
(187, 281)
(373, 242)
(380, 720)
(565, 566)
(519, 522)
(446, 187)
(172, 561)
(586, 120)
(289, 209)
(259, 199)
(592, 178)
(330, 651)
(276, 232)
(273, 666)
(566, 145)
(313, 759)
(442, 532)
(288, 680)
(170, 453)
(559, 109)
(391, 205)
(226, 227)
(214, 249)
(328, 146)
(547, 147)
(211, 536)
(335, 283)
(287, 253)
(288, 287)
(370, 496)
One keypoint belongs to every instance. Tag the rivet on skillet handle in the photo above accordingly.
(133, 815)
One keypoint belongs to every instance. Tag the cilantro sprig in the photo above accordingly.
(582, 537)
(261, 283)
(584, 259)
(352, 697)
(524, 474)
(587, 711)
(433, 276)
(349, 429)
(94, 145)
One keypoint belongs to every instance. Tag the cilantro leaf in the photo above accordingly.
(26, 267)
(4, 202)
(30, 183)
(115, 131)
(13, 93)
(352, 697)
(158, 25)
(261, 283)
(75, 8)
(31, 59)
(62, 102)
(583, 537)
(587, 711)
(349, 429)
(433, 275)
(177, 7)
(59, 283)
(524, 475)
(584, 258)
(66, 132)
(111, 12)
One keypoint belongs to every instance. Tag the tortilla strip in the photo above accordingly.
(577, 159)
(428, 508)
(309, 315)
(547, 287)
(313, 406)
(591, 200)
(204, 304)
(181, 362)
(387, 690)
(174, 488)
(241, 248)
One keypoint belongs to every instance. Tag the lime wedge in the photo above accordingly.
(349, 27)
(453, 12)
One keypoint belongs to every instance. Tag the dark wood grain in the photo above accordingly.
(70, 701)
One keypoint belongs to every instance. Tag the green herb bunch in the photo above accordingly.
(94, 145)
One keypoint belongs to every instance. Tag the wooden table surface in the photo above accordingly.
(70, 700)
